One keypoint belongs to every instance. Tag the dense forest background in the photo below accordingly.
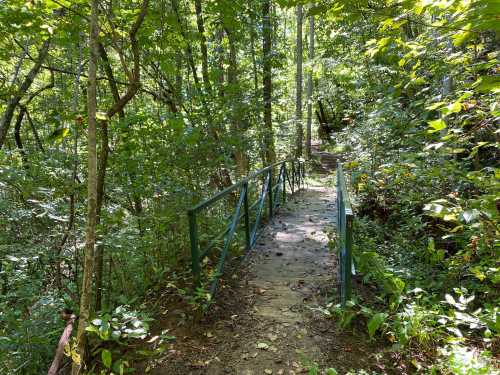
(190, 96)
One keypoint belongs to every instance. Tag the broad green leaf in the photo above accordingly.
(455, 107)
(461, 37)
(59, 134)
(436, 125)
(106, 358)
(375, 323)
(487, 84)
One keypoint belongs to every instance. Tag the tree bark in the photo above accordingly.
(88, 266)
(241, 157)
(268, 136)
(119, 104)
(6, 119)
(310, 86)
(35, 132)
(17, 135)
(298, 87)
(203, 46)
(63, 341)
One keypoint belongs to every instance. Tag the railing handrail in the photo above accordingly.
(273, 190)
(221, 194)
(343, 189)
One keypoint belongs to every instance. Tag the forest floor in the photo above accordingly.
(267, 317)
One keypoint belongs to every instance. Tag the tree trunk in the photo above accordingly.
(203, 45)
(310, 87)
(268, 136)
(298, 87)
(17, 135)
(119, 103)
(88, 266)
(6, 119)
(237, 128)
(35, 132)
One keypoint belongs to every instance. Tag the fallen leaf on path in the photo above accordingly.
(268, 371)
(262, 346)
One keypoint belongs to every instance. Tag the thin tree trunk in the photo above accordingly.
(6, 119)
(254, 59)
(310, 87)
(17, 136)
(267, 82)
(74, 179)
(119, 103)
(220, 63)
(237, 128)
(35, 132)
(203, 45)
(298, 88)
(86, 293)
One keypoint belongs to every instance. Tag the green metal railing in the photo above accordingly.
(270, 186)
(344, 231)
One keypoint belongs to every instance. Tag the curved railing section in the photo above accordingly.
(345, 218)
(271, 185)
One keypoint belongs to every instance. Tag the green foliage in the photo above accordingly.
(109, 333)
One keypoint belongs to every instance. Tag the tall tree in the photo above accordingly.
(203, 45)
(88, 266)
(241, 157)
(134, 83)
(298, 88)
(310, 86)
(268, 140)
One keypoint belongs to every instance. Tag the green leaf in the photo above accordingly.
(59, 134)
(487, 84)
(455, 107)
(436, 125)
(375, 323)
(460, 38)
(106, 358)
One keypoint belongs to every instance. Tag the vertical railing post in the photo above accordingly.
(246, 216)
(193, 236)
(348, 260)
(270, 192)
(284, 181)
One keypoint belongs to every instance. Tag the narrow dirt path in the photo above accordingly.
(290, 265)
(267, 319)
